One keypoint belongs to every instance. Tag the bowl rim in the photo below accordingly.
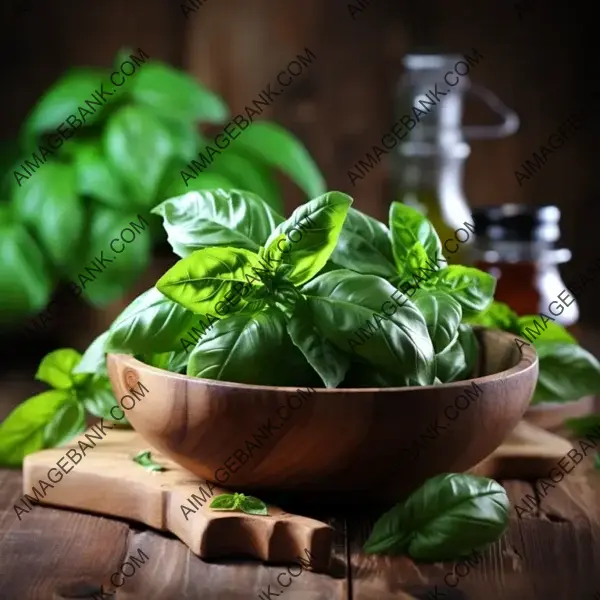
(528, 360)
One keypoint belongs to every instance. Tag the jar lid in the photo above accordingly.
(517, 222)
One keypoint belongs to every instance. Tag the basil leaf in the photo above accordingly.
(567, 372)
(68, 422)
(98, 398)
(408, 226)
(204, 279)
(344, 303)
(104, 273)
(364, 246)
(317, 225)
(328, 361)
(94, 358)
(96, 178)
(62, 99)
(138, 147)
(25, 283)
(531, 326)
(249, 348)
(457, 361)
(216, 218)
(174, 94)
(56, 369)
(497, 316)
(472, 288)
(253, 506)
(175, 361)
(277, 147)
(152, 323)
(442, 314)
(448, 517)
(144, 458)
(22, 432)
(223, 502)
(252, 175)
(49, 203)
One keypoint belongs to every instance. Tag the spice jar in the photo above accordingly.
(516, 244)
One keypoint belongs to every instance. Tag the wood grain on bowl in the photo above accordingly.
(348, 445)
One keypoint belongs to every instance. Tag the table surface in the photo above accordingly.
(550, 553)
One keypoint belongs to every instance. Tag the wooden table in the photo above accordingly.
(54, 554)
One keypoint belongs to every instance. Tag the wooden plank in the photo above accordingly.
(53, 553)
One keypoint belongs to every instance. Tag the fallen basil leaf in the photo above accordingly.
(144, 458)
(449, 516)
(581, 426)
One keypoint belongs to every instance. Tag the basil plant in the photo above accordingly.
(111, 171)
(260, 299)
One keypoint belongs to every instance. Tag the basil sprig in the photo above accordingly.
(241, 502)
(56, 416)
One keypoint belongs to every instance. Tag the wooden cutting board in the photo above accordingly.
(107, 481)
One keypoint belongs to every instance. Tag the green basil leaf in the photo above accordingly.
(152, 323)
(49, 203)
(250, 174)
(582, 426)
(98, 398)
(174, 94)
(531, 327)
(22, 432)
(104, 273)
(138, 148)
(186, 142)
(450, 516)
(204, 279)
(253, 506)
(64, 99)
(567, 373)
(497, 316)
(278, 148)
(96, 178)
(345, 305)
(216, 218)
(223, 502)
(328, 361)
(457, 361)
(56, 369)
(316, 226)
(472, 288)
(68, 422)
(442, 314)
(249, 348)
(25, 283)
(175, 361)
(144, 458)
(408, 226)
(364, 246)
(94, 358)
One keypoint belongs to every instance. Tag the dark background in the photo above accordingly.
(542, 65)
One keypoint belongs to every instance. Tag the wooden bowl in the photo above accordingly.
(349, 444)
